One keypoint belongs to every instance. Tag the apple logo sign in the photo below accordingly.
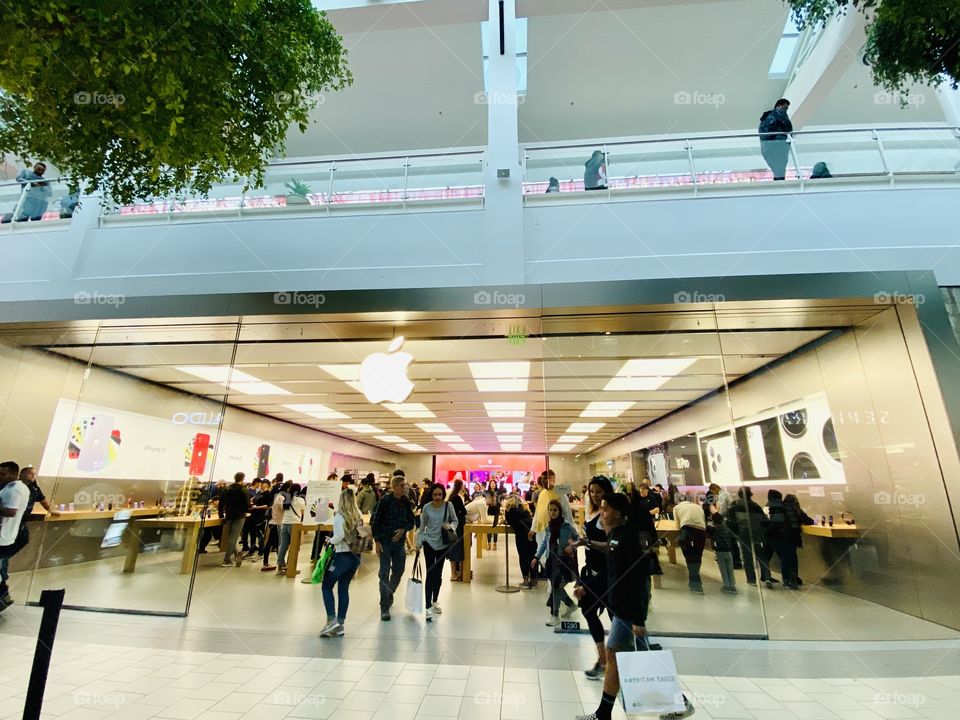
(383, 376)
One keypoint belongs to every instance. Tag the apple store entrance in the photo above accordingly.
(839, 403)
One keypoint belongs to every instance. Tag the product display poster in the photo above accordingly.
(92, 441)
(321, 494)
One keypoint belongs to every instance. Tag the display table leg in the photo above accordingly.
(293, 552)
(467, 547)
(507, 588)
(132, 539)
(672, 551)
(481, 539)
(190, 548)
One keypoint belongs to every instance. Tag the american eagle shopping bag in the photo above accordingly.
(414, 598)
(648, 682)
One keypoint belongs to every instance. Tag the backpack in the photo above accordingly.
(356, 541)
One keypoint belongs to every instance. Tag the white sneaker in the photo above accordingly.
(588, 716)
(328, 627)
(436, 609)
(430, 614)
(687, 711)
(569, 610)
(334, 630)
(553, 621)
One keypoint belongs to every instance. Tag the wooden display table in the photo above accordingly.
(193, 526)
(832, 531)
(39, 514)
(669, 530)
(480, 528)
(296, 539)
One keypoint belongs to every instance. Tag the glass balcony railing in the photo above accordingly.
(698, 164)
(27, 205)
(326, 186)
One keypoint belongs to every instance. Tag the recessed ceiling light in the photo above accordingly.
(450, 438)
(412, 447)
(343, 372)
(461, 447)
(240, 381)
(362, 428)
(571, 439)
(321, 412)
(502, 385)
(505, 409)
(409, 410)
(606, 409)
(578, 428)
(559, 447)
(507, 428)
(391, 438)
(510, 448)
(434, 427)
(500, 369)
(647, 373)
(510, 438)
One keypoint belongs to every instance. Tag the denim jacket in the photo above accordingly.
(567, 533)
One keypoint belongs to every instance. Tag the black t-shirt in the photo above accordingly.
(36, 495)
(594, 559)
(627, 579)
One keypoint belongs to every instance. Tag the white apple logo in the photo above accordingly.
(383, 376)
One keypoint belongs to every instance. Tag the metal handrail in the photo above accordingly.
(373, 158)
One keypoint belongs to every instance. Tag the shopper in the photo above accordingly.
(455, 551)
(259, 505)
(558, 548)
(774, 127)
(215, 490)
(519, 519)
(343, 566)
(692, 539)
(748, 522)
(367, 497)
(595, 172)
(493, 511)
(438, 522)
(798, 518)
(233, 506)
(781, 539)
(271, 540)
(14, 499)
(724, 543)
(553, 186)
(820, 172)
(627, 599)
(293, 507)
(36, 197)
(645, 498)
(476, 509)
(592, 582)
(392, 520)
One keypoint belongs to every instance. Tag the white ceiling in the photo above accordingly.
(608, 69)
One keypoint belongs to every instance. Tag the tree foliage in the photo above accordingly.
(145, 98)
(908, 41)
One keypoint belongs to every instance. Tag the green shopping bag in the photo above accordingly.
(325, 556)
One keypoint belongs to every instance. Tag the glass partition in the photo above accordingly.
(922, 150)
(845, 153)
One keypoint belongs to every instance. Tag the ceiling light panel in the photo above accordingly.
(510, 438)
(450, 438)
(461, 447)
(409, 410)
(579, 428)
(510, 448)
(362, 428)
(505, 409)
(647, 373)
(571, 439)
(433, 428)
(560, 447)
(343, 372)
(606, 409)
(410, 447)
(238, 380)
(503, 385)
(507, 428)
(321, 412)
(500, 369)
(391, 438)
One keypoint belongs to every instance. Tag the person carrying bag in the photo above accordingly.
(438, 532)
(414, 595)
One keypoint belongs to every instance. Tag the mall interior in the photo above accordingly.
(694, 322)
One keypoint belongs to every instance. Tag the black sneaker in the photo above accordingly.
(596, 672)
(687, 711)
(5, 602)
(385, 615)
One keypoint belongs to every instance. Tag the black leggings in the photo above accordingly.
(434, 560)
(526, 551)
(591, 604)
(270, 542)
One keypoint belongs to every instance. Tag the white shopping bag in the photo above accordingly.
(648, 682)
(414, 598)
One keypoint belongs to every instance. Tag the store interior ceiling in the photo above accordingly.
(564, 381)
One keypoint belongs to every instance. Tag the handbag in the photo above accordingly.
(322, 563)
(648, 681)
(414, 596)
(449, 534)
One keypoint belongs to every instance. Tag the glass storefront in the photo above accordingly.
(131, 423)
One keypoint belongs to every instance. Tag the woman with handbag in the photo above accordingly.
(455, 553)
(438, 531)
(347, 546)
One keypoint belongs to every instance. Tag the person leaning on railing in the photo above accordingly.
(773, 129)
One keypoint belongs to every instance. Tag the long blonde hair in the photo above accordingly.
(347, 507)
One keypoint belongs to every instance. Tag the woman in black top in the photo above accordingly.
(592, 583)
(455, 552)
(520, 520)
(493, 511)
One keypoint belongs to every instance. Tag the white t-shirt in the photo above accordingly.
(294, 513)
(13, 495)
(688, 513)
(476, 509)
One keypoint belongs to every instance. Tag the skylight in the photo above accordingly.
(521, 25)
(786, 49)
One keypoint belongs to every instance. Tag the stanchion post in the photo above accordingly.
(52, 602)
(508, 588)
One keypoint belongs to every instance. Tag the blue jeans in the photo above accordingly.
(285, 532)
(342, 568)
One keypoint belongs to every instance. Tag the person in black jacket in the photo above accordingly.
(798, 518)
(520, 520)
(627, 598)
(233, 506)
(392, 520)
(724, 543)
(455, 551)
(592, 581)
(773, 129)
(748, 522)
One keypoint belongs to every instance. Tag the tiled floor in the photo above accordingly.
(249, 649)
